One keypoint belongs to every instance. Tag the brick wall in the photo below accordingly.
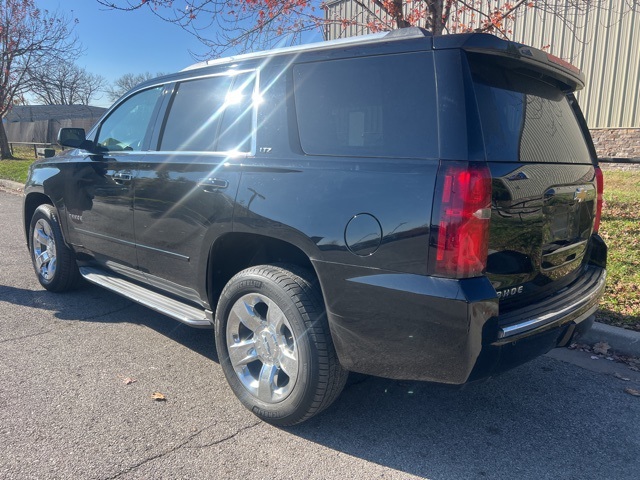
(617, 142)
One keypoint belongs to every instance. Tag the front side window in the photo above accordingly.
(382, 106)
(127, 127)
(213, 114)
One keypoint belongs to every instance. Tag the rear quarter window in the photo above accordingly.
(383, 106)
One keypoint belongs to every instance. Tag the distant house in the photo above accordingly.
(40, 123)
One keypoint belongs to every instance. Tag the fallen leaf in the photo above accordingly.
(632, 391)
(601, 348)
(158, 397)
(594, 357)
(129, 381)
(617, 375)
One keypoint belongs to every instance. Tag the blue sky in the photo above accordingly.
(116, 43)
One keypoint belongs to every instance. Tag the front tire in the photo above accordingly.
(53, 262)
(274, 344)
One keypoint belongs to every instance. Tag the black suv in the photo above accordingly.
(400, 205)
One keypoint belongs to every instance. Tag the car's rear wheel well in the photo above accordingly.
(236, 251)
(31, 203)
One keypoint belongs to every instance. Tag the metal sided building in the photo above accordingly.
(603, 42)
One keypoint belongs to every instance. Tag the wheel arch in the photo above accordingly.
(31, 202)
(235, 251)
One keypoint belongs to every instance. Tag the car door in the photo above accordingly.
(105, 229)
(186, 189)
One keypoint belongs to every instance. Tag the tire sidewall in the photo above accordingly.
(303, 393)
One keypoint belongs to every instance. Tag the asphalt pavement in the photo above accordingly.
(78, 372)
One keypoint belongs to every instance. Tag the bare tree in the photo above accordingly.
(126, 82)
(64, 83)
(29, 38)
(246, 25)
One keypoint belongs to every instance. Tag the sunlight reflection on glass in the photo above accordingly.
(234, 97)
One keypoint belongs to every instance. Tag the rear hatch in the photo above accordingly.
(544, 193)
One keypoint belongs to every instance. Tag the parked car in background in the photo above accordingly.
(399, 205)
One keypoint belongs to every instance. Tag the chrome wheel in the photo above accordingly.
(274, 344)
(44, 250)
(262, 349)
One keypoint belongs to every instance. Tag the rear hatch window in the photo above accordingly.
(525, 119)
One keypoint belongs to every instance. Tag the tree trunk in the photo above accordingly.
(399, 14)
(5, 151)
(437, 8)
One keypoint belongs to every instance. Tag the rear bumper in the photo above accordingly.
(414, 327)
(573, 304)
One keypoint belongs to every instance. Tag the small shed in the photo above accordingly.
(40, 123)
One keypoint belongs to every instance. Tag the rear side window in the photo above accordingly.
(383, 106)
(525, 119)
(213, 114)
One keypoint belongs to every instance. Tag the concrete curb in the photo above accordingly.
(626, 342)
(12, 187)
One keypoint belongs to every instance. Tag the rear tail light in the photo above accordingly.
(599, 198)
(463, 211)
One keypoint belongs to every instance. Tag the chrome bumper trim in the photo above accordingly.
(581, 310)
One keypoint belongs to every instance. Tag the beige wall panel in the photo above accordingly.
(603, 43)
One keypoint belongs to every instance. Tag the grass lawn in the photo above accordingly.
(16, 170)
(620, 228)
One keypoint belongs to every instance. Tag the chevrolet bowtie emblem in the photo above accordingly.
(580, 194)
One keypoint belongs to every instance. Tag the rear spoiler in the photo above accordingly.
(570, 78)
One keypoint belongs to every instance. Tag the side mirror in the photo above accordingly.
(73, 137)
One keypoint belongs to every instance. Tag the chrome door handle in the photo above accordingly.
(122, 176)
(213, 184)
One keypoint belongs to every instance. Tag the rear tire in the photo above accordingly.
(274, 344)
(53, 262)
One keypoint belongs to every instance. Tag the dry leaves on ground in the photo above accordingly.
(620, 377)
(158, 397)
(632, 391)
(632, 362)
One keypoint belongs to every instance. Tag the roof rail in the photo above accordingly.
(409, 32)
(400, 34)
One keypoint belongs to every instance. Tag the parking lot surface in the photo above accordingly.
(78, 372)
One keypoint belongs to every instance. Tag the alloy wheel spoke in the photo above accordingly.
(41, 237)
(243, 352)
(42, 260)
(275, 317)
(289, 363)
(267, 382)
(246, 314)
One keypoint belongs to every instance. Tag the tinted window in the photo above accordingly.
(236, 126)
(128, 125)
(211, 114)
(525, 119)
(373, 106)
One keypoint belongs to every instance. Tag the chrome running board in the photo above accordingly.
(183, 312)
